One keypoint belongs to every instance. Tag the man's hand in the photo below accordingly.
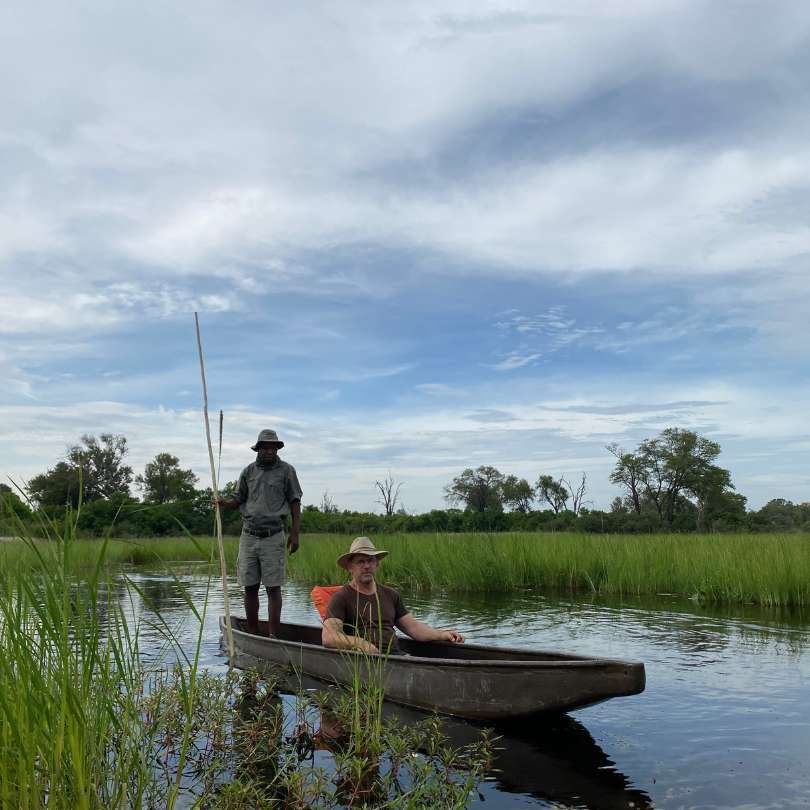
(292, 541)
(420, 631)
(333, 636)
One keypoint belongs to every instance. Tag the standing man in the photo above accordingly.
(362, 615)
(268, 491)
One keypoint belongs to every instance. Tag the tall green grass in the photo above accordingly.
(771, 570)
(85, 725)
(766, 569)
(67, 697)
(74, 733)
(24, 556)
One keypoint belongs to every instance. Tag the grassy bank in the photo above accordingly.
(770, 570)
(767, 569)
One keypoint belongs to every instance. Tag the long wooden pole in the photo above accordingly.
(228, 630)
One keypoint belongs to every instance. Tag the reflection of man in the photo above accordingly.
(370, 611)
(268, 491)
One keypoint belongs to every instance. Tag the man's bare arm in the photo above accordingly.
(295, 514)
(333, 636)
(419, 631)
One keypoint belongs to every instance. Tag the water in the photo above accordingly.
(724, 721)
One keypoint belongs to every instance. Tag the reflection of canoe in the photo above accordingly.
(552, 757)
(466, 680)
(555, 758)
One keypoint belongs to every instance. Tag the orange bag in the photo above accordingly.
(321, 594)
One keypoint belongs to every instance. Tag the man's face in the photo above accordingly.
(363, 567)
(266, 452)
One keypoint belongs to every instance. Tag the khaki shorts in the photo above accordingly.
(261, 559)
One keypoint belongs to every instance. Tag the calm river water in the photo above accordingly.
(724, 721)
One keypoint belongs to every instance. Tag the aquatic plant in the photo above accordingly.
(84, 723)
(766, 569)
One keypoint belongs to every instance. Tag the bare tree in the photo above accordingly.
(577, 494)
(389, 494)
(328, 506)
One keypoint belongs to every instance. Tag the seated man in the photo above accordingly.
(370, 611)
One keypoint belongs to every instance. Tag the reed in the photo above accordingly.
(67, 695)
(25, 556)
(85, 724)
(771, 570)
(766, 569)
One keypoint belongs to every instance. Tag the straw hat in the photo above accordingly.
(268, 437)
(360, 545)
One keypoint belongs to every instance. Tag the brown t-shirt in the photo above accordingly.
(364, 615)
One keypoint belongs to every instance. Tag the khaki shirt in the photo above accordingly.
(264, 494)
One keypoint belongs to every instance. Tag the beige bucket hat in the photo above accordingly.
(268, 436)
(360, 545)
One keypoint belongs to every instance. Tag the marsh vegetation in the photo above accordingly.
(766, 569)
(86, 722)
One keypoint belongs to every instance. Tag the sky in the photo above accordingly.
(420, 236)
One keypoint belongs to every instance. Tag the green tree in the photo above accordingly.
(552, 492)
(630, 472)
(480, 490)
(93, 469)
(102, 463)
(163, 480)
(723, 510)
(59, 486)
(675, 472)
(517, 494)
(778, 514)
(12, 504)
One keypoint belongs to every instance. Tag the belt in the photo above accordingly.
(263, 532)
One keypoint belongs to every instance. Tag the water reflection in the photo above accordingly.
(555, 759)
(723, 721)
(690, 634)
(558, 760)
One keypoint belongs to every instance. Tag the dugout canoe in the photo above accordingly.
(473, 681)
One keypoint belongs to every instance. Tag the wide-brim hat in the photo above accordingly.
(360, 545)
(267, 437)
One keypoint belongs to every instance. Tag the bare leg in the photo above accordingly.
(274, 609)
(252, 608)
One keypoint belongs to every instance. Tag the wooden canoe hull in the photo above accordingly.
(470, 681)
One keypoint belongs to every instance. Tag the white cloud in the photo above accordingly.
(270, 153)
(363, 374)
(439, 390)
(548, 331)
(516, 360)
(28, 310)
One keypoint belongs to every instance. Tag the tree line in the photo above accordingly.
(670, 482)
